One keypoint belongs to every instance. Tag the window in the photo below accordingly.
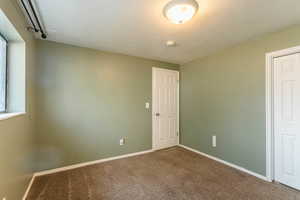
(12, 70)
(3, 49)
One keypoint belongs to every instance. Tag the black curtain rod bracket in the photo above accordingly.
(40, 28)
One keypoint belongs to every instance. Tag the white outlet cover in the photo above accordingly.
(214, 141)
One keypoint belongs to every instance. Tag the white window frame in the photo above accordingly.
(6, 71)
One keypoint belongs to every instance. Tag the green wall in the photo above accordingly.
(17, 134)
(224, 95)
(87, 101)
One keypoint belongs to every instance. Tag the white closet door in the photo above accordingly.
(165, 108)
(287, 120)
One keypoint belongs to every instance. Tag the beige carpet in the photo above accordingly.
(162, 175)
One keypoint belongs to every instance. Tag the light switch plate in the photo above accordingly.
(122, 141)
(147, 105)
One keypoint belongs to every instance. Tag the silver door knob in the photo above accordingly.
(157, 114)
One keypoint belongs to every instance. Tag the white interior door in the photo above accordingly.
(287, 120)
(165, 86)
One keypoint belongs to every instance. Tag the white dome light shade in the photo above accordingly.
(180, 11)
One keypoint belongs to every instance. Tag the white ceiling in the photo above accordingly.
(138, 27)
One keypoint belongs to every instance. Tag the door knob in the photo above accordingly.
(157, 114)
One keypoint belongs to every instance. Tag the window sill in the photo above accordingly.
(4, 116)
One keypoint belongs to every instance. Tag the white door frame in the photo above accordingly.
(270, 107)
(153, 112)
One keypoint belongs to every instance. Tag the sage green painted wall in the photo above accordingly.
(224, 95)
(88, 100)
(17, 134)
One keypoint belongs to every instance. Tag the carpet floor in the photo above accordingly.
(173, 173)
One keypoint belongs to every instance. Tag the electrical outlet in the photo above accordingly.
(214, 141)
(122, 141)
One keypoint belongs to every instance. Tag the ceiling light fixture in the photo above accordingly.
(171, 43)
(180, 11)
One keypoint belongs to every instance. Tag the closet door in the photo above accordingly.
(287, 120)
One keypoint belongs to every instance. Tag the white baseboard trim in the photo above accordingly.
(28, 187)
(51, 171)
(227, 163)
